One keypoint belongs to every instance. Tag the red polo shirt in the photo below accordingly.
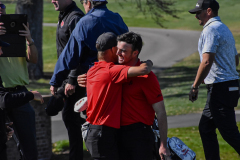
(139, 93)
(104, 92)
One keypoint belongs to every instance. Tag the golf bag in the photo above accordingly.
(178, 149)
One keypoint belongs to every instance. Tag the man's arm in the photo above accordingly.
(68, 60)
(202, 73)
(143, 69)
(159, 108)
(8, 99)
(32, 53)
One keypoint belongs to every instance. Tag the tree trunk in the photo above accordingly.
(34, 10)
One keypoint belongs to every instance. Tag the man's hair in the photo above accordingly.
(132, 38)
(93, 3)
(215, 12)
(100, 53)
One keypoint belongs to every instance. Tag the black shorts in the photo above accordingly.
(102, 142)
(136, 142)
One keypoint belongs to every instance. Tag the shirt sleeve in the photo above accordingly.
(211, 41)
(70, 56)
(118, 73)
(12, 100)
(151, 89)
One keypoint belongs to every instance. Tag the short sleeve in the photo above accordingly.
(151, 89)
(118, 73)
(211, 41)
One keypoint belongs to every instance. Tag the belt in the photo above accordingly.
(134, 126)
(220, 83)
(14, 89)
(106, 128)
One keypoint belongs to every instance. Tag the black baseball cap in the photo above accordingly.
(106, 41)
(4, 44)
(205, 4)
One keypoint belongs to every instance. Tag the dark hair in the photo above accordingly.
(94, 3)
(214, 5)
(132, 38)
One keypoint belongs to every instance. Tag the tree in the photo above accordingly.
(156, 8)
(34, 10)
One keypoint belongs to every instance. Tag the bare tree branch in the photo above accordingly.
(156, 8)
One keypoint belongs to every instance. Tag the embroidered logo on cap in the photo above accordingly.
(197, 5)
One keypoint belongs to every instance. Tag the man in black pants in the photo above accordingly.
(219, 59)
(69, 15)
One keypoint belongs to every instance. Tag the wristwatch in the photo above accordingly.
(32, 43)
(194, 87)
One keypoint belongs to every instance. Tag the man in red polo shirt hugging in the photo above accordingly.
(104, 93)
(141, 99)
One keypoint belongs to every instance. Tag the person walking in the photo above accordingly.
(69, 15)
(217, 69)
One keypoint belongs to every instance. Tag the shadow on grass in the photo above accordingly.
(169, 77)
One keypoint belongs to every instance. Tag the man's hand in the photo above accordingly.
(26, 33)
(38, 96)
(2, 29)
(164, 153)
(193, 95)
(10, 131)
(53, 90)
(69, 89)
(82, 80)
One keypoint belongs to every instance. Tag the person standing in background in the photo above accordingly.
(69, 15)
(14, 74)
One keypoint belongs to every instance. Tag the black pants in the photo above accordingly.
(23, 119)
(136, 142)
(3, 153)
(219, 113)
(102, 142)
(73, 124)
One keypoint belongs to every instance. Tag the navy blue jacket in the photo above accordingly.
(80, 49)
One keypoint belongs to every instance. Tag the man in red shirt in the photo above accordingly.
(142, 98)
(104, 93)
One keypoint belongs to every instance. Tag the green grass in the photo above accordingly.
(176, 82)
(63, 145)
(229, 13)
(190, 136)
(60, 146)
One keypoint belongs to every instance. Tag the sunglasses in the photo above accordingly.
(2, 6)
